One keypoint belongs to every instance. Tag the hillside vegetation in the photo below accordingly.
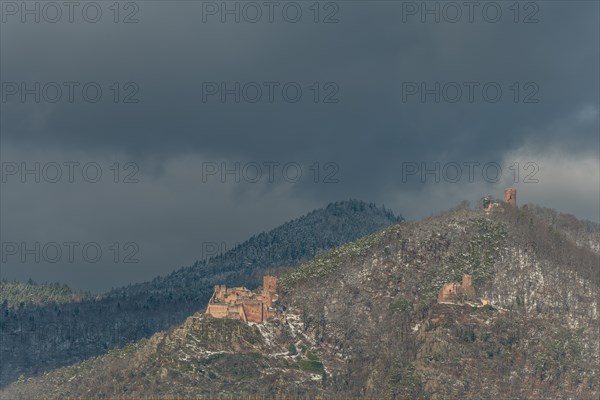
(21, 294)
(363, 321)
(44, 337)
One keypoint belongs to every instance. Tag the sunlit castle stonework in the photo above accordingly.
(460, 293)
(244, 304)
(510, 199)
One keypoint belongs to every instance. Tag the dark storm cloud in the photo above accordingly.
(369, 54)
(365, 61)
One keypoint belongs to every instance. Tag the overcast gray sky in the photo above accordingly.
(370, 100)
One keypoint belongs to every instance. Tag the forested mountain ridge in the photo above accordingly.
(286, 245)
(44, 337)
(363, 320)
(584, 233)
(21, 294)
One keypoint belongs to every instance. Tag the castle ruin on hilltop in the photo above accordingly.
(244, 304)
(457, 293)
(510, 199)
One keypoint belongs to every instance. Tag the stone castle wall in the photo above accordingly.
(241, 303)
(459, 293)
(456, 292)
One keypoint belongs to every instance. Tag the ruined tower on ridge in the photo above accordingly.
(510, 196)
(269, 290)
(457, 293)
(467, 286)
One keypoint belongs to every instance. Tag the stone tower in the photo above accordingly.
(269, 290)
(510, 196)
(270, 284)
(467, 286)
(467, 280)
(220, 291)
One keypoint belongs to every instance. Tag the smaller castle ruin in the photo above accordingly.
(510, 199)
(244, 304)
(459, 293)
